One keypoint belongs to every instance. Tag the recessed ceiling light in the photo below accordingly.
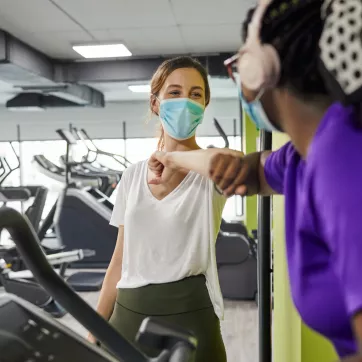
(142, 88)
(102, 51)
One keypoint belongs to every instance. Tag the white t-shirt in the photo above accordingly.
(170, 239)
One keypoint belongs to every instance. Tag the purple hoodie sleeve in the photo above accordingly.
(275, 166)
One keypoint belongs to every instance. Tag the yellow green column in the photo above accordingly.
(287, 339)
(250, 139)
(292, 340)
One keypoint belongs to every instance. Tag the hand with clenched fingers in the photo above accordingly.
(229, 172)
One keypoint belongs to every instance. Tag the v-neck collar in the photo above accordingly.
(173, 192)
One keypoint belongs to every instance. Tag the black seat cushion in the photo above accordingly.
(231, 249)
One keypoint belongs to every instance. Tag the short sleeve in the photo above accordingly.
(119, 208)
(275, 167)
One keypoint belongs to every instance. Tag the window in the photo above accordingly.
(134, 149)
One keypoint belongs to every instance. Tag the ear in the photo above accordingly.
(154, 105)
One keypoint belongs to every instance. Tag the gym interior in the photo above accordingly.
(72, 119)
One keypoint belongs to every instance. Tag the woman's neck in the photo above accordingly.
(172, 145)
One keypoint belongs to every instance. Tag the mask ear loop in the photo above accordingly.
(259, 95)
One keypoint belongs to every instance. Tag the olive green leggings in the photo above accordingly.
(185, 303)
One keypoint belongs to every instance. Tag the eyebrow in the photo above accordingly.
(178, 86)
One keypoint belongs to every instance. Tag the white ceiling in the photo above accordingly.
(147, 27)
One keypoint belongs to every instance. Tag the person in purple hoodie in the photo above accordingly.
(301, 73)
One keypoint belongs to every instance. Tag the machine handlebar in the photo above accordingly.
(28, 246)
(177, 345)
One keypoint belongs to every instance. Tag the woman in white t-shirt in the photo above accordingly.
(164, 262)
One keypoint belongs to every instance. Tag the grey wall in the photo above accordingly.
(107, 122)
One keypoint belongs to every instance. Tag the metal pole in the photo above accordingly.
(234, 131)
(124, 139)
(21, 171)
(237, 199)
(264, 267)
(67, 157)
(241, 125)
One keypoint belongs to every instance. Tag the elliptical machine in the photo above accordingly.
(28, 334)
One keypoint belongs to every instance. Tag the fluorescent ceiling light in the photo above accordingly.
(102, 51)
(143, 88)
(25, 109)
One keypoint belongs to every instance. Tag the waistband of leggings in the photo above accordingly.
(186, 295)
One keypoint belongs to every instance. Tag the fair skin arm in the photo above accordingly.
(231, 171)
(108, 293)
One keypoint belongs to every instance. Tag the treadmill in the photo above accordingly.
(27, 334)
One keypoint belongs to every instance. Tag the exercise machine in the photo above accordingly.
(27, 334)
(5, 168)
(80, 217)
(82, 222)
(13, 274)
(221, 133)
(83, 136)
(236, 257)
(34, 212)
(23, 285)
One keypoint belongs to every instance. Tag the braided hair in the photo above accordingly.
(319, 43)
(294, 28)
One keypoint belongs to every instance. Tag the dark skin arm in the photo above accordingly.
(256, 182)
(357, 326)
(227, 175)
(357, 323)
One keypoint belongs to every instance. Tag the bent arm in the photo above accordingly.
(200, 161)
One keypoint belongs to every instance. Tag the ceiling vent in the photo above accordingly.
(38, 98)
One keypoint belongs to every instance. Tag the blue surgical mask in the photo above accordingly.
(257, 114)
(180, 117)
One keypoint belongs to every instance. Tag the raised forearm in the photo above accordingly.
(225, 167)
(197, 161)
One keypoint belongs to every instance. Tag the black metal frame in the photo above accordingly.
(264, 266)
